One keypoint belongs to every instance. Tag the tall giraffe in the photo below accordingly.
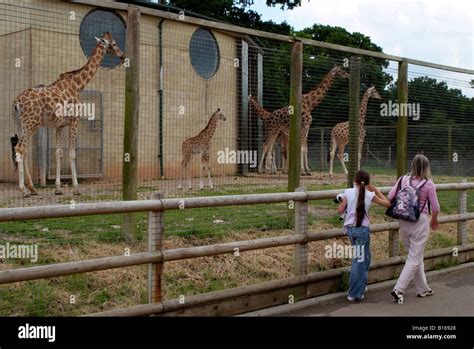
(46, 106)
(340, 132)
(200, 144)
(279, 120)
(311, 100)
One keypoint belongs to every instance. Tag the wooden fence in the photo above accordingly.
(157, 255)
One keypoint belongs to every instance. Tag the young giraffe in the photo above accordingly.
(44, 106)
(282, 139)
(279, 120)
(200, 144)
(340, 132)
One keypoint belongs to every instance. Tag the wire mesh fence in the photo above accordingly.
(214, 118)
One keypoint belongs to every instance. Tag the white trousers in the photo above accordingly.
(414, 236)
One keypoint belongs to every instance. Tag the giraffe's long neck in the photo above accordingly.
(210, 128)
(316, 95)
(261, 112)
(78, 79)
(87, 72)
(363, 108)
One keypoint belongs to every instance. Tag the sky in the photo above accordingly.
(438, 31)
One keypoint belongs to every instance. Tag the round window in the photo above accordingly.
(95, 24)
(204, 53)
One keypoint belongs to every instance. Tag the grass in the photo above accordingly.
(447, 263)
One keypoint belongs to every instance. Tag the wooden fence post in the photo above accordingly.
(462, 208)
(131, 124)
(294, 161)
(155, 243)
(301, 227)
(402, 122)
(354, 86)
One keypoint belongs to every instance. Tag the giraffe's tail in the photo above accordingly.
(14, 139)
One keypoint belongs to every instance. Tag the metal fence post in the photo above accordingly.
(462, 208)
(301, 227)
(155, 243)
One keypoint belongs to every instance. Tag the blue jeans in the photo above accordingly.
(360, 238)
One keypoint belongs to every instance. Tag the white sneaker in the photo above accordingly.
(428, 293)
(398, 296)
(351, 299)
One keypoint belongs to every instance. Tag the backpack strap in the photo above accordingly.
(421, 186)
(427, 199)
(399, 185)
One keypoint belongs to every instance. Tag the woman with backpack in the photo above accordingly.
(357, 201)
(411, 199)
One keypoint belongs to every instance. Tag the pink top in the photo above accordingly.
(428, 191)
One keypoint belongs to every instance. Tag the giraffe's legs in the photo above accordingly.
(205, 165)
(267, 148)
(270, 164)
(273, 161)
(72, 156)
(331, 155)
(284, 155)
(20, 157)
(29, 181)
(202, 168)
(304, 152)
(21, 176)
(59, 155)
(340, 156)
(184, 170)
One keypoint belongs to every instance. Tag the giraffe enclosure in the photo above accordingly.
(187, 72)
(214, 114)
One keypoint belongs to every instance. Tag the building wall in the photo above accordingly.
(55, 48)
(15, 75)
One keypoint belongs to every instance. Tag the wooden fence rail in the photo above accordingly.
(111, 207)
(157, 256)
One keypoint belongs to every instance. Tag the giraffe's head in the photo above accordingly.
(338, 72)
(373, 93)
(219, 115)
(110, 45)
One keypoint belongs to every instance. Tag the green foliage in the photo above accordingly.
(439, 105)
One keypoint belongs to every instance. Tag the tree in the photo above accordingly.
(441, 107)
